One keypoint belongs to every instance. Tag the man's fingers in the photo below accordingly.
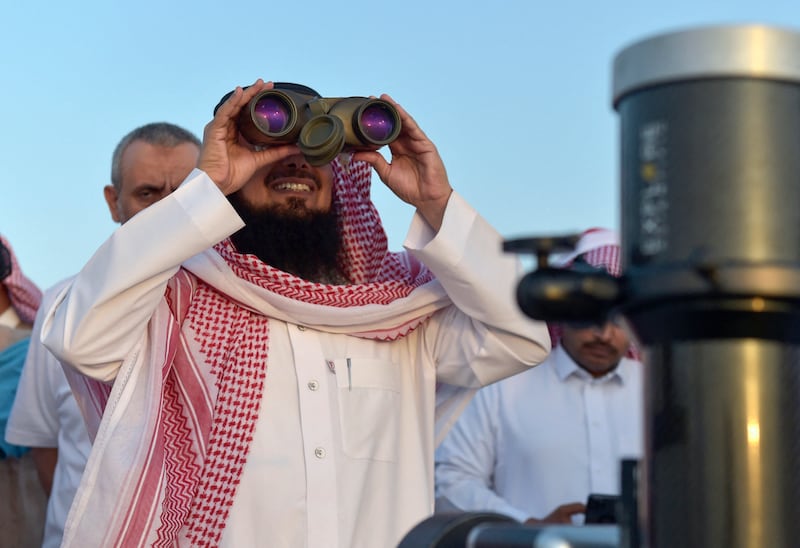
(376, 160)
(273, 154)
(239, 98)
(224, 112)
(251, 91)
(410, 125)
(573, 508)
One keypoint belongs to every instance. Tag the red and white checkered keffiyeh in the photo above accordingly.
(213, 333)
(599, 247)
(25, 296)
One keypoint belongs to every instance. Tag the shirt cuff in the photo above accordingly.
(200, 197)
(449, 243)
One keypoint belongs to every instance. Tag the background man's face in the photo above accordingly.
(293, 184)
(597, 349)
(148, 173)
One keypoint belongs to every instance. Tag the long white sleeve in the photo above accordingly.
(486, 329)
(466, 460)
(96, 322)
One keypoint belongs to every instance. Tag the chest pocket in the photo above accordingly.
(369, 408)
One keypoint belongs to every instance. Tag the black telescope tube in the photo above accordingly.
(710, 166)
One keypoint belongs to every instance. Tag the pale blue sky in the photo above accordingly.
(516, 95)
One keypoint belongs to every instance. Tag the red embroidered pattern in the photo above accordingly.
(378, 276)
(180, 463)
(213, 386)
(234, 342)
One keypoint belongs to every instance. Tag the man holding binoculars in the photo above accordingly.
(269, 374)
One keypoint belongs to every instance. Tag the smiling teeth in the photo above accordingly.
(295, 187)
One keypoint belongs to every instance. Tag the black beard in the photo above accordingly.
(291, 238)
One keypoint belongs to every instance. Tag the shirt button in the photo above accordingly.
(301, 327)
(319, 452)
(313, 385)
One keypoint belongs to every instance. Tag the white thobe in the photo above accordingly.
(546, 437)
(342, 453)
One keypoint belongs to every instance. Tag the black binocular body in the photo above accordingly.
(322, 127)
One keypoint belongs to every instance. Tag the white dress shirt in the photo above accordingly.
(45, 414)
(546, 437)
(342, 453)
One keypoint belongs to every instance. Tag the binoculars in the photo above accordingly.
(322, 127)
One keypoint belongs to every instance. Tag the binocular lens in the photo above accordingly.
(272, 114)
(377, 123)
(322, 127)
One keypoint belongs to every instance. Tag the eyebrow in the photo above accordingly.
(148, 186)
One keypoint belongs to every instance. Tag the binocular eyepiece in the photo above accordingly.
(321, 127)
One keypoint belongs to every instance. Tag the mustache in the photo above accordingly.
(599, 345)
